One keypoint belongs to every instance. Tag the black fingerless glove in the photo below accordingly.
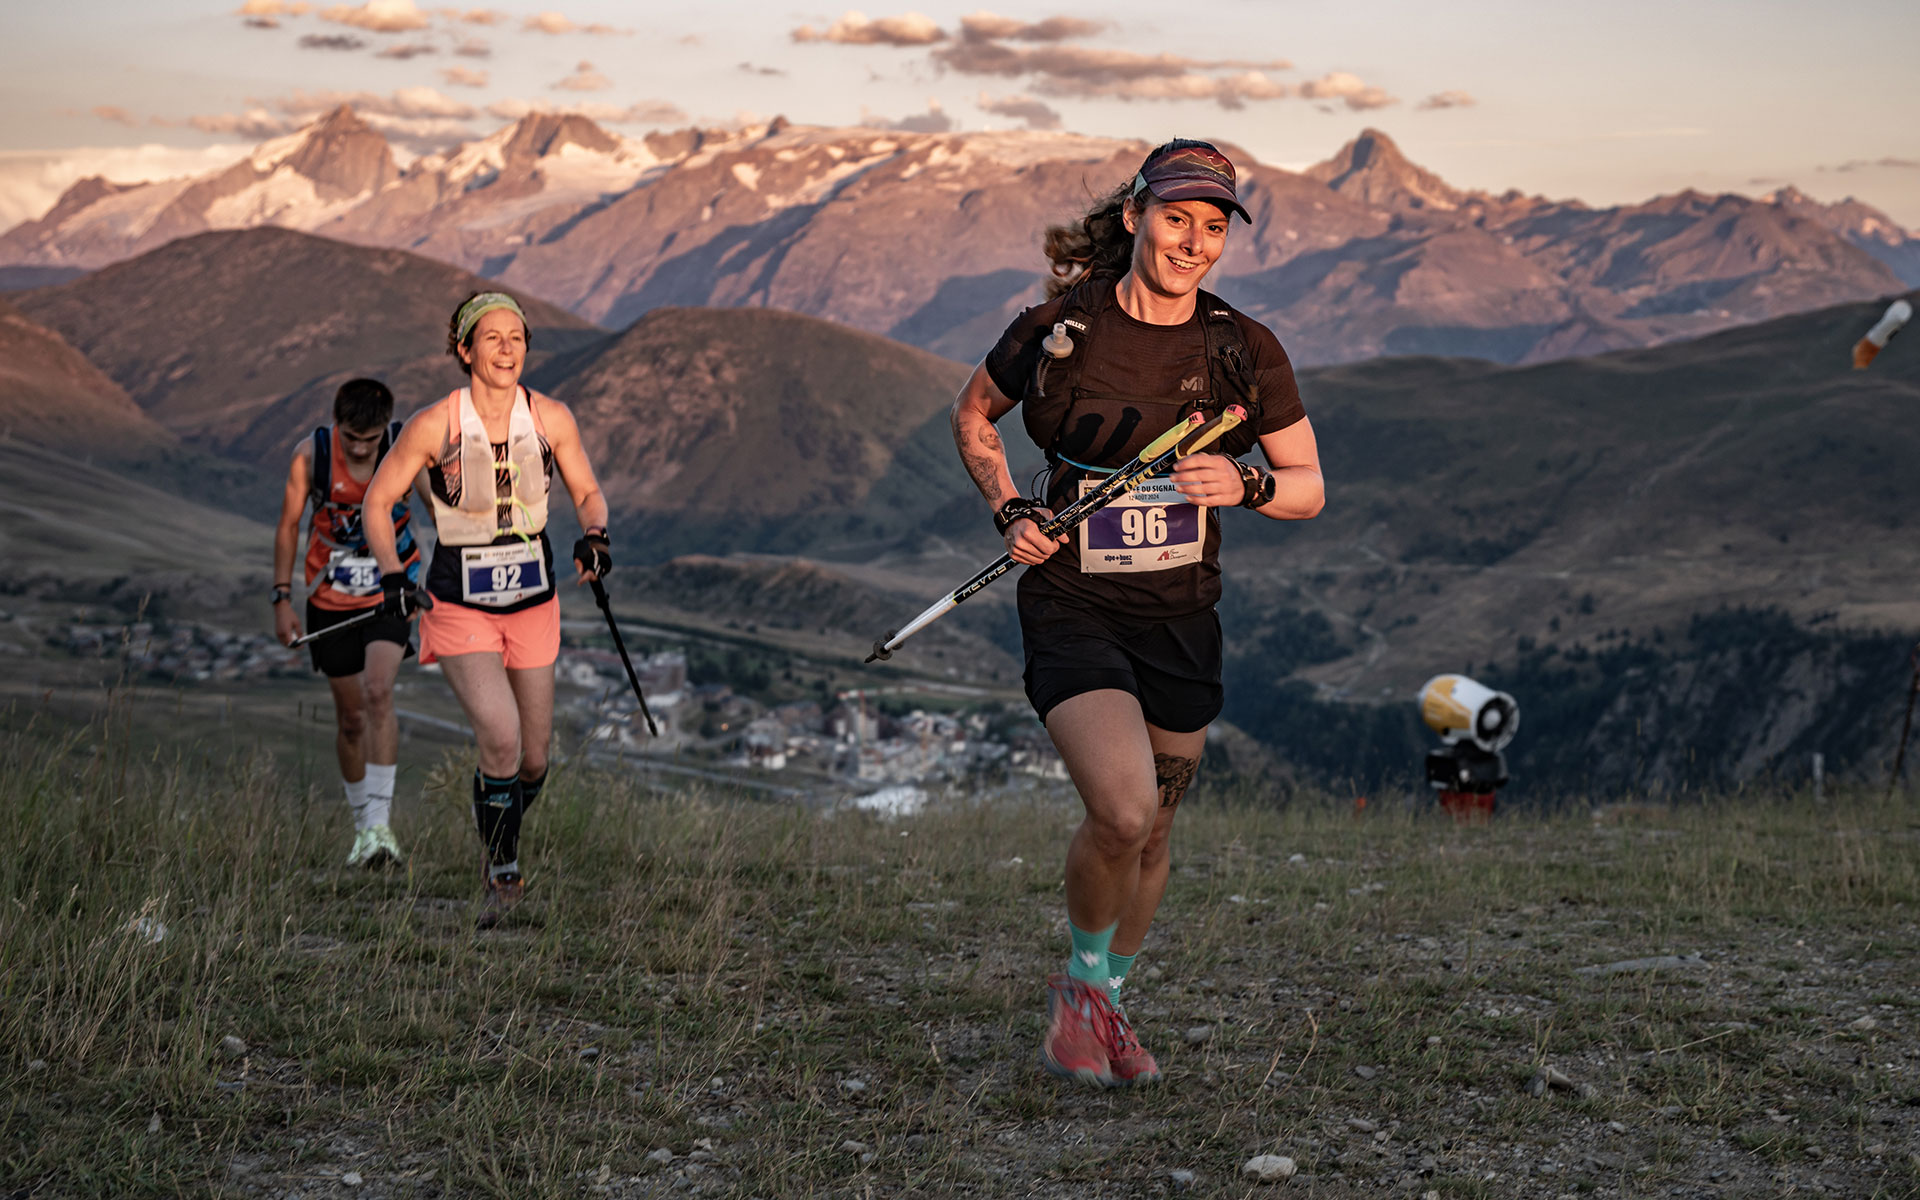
(1017, 509)
(594, 553)
(401, 597)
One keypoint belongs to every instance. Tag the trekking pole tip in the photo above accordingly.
(880, 650)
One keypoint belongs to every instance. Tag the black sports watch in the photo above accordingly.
(1259, 484)
(282, 594)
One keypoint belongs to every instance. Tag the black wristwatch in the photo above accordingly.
(282, 594)
(1017, 509)
(1259, 485)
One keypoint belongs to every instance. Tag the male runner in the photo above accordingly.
(330, 472)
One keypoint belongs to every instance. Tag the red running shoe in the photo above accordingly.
(1076, 1043)
(1128, 1060)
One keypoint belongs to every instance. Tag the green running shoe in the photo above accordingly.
(375, 847)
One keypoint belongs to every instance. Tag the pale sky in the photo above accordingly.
(1605, 103)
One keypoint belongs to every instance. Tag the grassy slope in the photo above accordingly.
(695, 975)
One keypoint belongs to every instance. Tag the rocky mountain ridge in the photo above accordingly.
(933, 239)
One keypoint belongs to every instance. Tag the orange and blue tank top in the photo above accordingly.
(341, 572)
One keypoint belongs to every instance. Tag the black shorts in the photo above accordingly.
(345, 653)
(1172, 667)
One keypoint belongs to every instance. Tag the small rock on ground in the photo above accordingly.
(1269, 1168)
(352, 1179)
(1182, 1179)
(232, 1046)
(1199, 1035)
(662, 1155)
(852, 1147)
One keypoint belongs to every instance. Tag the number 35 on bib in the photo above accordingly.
(1150, 529)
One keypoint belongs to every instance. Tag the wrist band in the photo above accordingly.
(1016, 509)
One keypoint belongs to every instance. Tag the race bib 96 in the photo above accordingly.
(1150, 529)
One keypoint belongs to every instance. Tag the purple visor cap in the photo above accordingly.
(1192, 172)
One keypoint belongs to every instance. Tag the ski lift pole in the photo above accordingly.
(1176, 443)
(619, 643)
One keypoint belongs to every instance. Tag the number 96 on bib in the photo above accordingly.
(1151, 529)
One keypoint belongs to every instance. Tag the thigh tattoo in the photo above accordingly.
(1174, 774)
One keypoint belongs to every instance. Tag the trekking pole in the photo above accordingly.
(330, 630)
(619, 643)
(1158, 454)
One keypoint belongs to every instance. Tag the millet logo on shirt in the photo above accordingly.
(1193, 383)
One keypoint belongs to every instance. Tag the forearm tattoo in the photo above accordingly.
(1174, 774)
(984, 456)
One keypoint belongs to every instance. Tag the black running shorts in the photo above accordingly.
(1171, 667)
(345, 653)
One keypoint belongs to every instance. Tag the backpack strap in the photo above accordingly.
(320, 479)
(1056, 378)
(1229, 362)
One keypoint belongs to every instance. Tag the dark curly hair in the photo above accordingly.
(1097, 244)
(455, 341)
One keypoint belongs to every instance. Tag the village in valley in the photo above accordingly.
(833, 744)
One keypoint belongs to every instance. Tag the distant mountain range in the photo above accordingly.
(933, 239)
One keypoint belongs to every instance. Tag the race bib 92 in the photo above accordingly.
(1151, 529)
(496, 576)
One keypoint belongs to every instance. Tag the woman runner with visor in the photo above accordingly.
(489, 613)
(1122, 643)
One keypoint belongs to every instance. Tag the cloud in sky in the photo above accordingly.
(380, 16)
(474, 48)
(406, 50)
(641, 112)
(557, 23)
(261, 23)
(256, 123)
(274, 8)
(1868, 164)
(114, 113)
(751, 69)
(856, 29)
(1034, 113)
(477, 16)
(408, 102)
(986, 26)
(1349, 89)
(934, 120)
(331, 41)
(1089, 71)
(459, 76)
(1446, 100)
(583, 79)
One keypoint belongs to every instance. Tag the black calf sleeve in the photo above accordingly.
(496, 813)
(530, 791)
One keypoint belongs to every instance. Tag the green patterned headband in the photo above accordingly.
(471, 312)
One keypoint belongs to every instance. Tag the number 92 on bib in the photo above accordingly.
(496, 576)
(1150, 529)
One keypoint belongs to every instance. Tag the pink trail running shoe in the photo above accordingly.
(1126, 1058)
(1076, 1043)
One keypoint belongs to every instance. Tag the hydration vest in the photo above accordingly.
(341, 571)
(1069, 425)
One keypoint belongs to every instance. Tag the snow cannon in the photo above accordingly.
(1474, 723)
(1869, 347)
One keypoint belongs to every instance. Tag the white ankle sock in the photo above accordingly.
(356, 790)
(379, 794)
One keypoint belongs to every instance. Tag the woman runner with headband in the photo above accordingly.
(489, 613)
(1122, 643)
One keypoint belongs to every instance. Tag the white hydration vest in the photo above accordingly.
(482, 514)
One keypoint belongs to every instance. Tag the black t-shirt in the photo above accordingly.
(1152, 371)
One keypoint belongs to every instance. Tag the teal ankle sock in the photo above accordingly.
(1117, 967)
(1089, 961)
